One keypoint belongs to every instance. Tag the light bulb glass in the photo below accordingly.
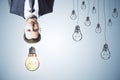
(105, 54)
(83, 5)
(98, 28)
(73, 15)
(77, 35)
(87, 21)
(32, 63)
(93, 10)
(115, 13)
(109, 22)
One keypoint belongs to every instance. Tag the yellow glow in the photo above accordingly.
(32, 63)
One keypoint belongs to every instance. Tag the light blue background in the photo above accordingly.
(60, 57)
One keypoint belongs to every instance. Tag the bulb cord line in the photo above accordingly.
(109, 9)
(73, 4)
(98, 11)
(114, 3)
(105, 21)
(78, 12)
(88, 8)
(94, 2)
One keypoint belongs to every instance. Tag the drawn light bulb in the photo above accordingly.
(77, 35)
(105, 54)
(83, 5)
(98, 28)
(93, 10)
(115, 13)
(73, 15)
(87, 21)
(32, 63)
(109, 22)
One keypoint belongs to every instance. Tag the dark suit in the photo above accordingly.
(17, 7)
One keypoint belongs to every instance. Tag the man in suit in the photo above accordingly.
(30, 10)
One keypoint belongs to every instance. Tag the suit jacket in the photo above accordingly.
(17, 7)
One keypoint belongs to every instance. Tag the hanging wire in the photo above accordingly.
(109, 9)
(94, 2)
(115, 3)
(78, 12)
(105, 21)
(73, 4)
(98, 11)
(88, 7)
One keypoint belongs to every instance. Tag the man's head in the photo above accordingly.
(31, 30)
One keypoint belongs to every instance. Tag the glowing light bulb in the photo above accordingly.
(73, 15)
(93, 10)
(109, 22)
(115, 13)
(87, 21)
(83, 5)
(32, 63)
(105, 54)
(77, 35)
(98, 28)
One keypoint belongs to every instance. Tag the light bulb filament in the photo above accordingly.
(73, 15)
(32, 63)
(83, 5)
(115, 13)
(87, 21)
(77, 35)
(98, 28)
(105, 54)
(93, 10)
